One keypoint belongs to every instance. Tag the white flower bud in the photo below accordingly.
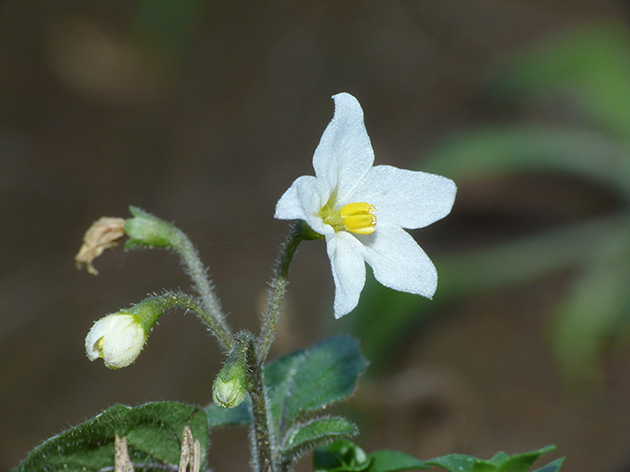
(117, 339)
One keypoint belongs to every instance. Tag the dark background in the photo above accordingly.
(204, 113)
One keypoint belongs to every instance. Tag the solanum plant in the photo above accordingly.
(362, 212)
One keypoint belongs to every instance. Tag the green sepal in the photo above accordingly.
(309, 233)
(148, 312)
(146, 230)
(303, 437)
(153, 432)
(231, 384)
(301, 382)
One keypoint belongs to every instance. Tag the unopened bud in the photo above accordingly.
(231, 385)
(118, 338)
(228, 394)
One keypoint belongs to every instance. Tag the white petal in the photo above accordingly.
(123, 339)
(405, 198)
(121, 348)
(302, 201)
(91, 340)
(398, 262)
(290, 206)
(348, 268)
(344, 153)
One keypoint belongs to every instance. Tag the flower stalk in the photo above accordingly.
(119, 337)
(278, 287)
(147, 230)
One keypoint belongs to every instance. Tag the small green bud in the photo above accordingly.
(231, 385)
(147, 230)
(228, 394)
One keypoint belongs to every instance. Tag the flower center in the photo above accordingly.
(356, 217)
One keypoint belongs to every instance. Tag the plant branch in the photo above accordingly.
(263, 436)
(171, 299)
(199, 275)
(278, 289)
(146, 230)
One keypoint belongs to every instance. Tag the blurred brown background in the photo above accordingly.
(204, 112)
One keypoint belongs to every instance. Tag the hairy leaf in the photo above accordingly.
(340, 456)
(309, 380)
(153, 432)
(302, 382)
(328, 459)
(501, 462)
(302, 438)
(218, 416)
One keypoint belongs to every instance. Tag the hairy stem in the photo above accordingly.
(147, 230)
(182, 300)
(263, 437)
(213, 317)
(277, 290)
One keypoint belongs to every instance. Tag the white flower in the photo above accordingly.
(117, 339)
(361, 210)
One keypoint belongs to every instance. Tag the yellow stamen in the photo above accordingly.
(359, 217)
(99, 343)
(355, 217)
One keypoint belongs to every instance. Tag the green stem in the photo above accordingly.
(278, 289)
(263, 438)
(182, 300)
(213, 317)
(147, 230)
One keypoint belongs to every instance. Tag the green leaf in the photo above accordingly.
(501, 462)
(335, 458)
(502, 150)
(392, 461)
(153, 432)
(301, 382)
(591, 63)
(462, 463)
(340, 456)
(302, 438)
(309, 380)
(218, 416)
(595, 311)
(552, 466)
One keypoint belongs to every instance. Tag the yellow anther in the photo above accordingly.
(356, 217)
(359, 217)
(357, 208)
(99, 343)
